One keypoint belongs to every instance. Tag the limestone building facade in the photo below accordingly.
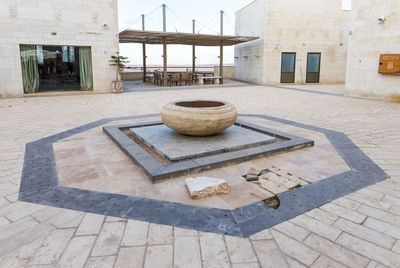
(300, 42)
(53, 45)
(375, 30)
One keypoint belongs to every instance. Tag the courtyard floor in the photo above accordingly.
(361, 229)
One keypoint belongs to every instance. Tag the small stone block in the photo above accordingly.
(251, 177)
(254, 171)
(204, 186)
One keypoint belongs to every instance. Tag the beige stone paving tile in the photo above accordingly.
(213, 250)
(130, 257)
(371, 194)
(3, 201)
(269, 254)
(325, 262)
(67, 219)
(265, 234)
(292, 230)
(181, 232)
(336, 252)
(391, 199)
(347, 203)
(18, 210)
(323, 216)
(396, 247)
(159, 256)
(293, 248)
(187, 252)
(240, 249)
(369, 250)
(77, 252)
(109, 239)
(317, 227)
(53, 247)
(380, 214)
(21, 256)
(293, 263)
(115, 219)
(365, 233)
(344, 212)
(23, 232)
(159, 234)
(395, 210)
(90, 224)
(246, 265)
(369, 201)
(135, 233)
(8, 188)
(383, 227)
(382, 189)
(374, 264)
(47, 213)
(4, 221)
(13, 197)
(100, 262)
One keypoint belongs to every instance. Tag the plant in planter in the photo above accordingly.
(118, 61)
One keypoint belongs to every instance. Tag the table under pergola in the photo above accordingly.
(175, 38)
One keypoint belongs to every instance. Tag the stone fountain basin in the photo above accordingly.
(199, 117)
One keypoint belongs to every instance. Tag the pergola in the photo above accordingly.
(169, 38)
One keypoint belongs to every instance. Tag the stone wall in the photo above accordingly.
(76, 22)
(292, 26)
(369, 39)
(229, 71)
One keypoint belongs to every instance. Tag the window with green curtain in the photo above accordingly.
(85, 66)
(30, 72)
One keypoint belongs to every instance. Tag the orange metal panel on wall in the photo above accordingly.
(389, 63)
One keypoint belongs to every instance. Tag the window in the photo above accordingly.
(56, 68)
(288, 66)
(313, 67)
(346, 4)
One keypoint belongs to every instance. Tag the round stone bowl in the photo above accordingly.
(199, 117)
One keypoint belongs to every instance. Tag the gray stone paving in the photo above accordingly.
(325, 237)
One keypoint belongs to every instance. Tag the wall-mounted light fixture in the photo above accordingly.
(245, 57)
(381, 19)
(236, 57)
(257, 56)
(53, 33)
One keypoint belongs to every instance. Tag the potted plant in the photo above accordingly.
(118, 61)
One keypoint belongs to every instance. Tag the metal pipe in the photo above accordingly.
(164, 18)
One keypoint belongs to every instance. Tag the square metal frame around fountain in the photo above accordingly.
(160, 168)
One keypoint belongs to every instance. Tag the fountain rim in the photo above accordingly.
(215, 104)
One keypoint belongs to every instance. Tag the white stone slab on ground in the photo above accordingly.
(205, 186)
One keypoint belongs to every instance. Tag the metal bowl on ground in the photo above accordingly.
(199, 117)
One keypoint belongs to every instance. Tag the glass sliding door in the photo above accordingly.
(288, 66)
(56, 68)
(313, 67)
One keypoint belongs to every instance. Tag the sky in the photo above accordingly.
(180, 14)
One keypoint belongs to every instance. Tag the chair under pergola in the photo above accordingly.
(175, 38)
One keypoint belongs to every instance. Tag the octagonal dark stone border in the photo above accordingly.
(39, 184)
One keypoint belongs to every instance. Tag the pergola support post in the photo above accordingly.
(221, 62)
(165, 74)
(194, 53)
(144, 53)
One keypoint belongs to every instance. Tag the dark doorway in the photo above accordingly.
(58, 68)
(313, 67)
(288, 66)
